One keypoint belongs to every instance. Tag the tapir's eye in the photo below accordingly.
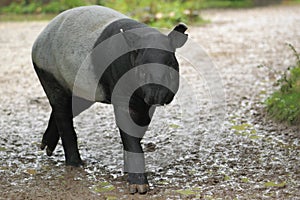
(144, 75)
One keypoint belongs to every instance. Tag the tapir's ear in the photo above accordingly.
(177, 36)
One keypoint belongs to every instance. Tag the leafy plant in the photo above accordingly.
(159, 13)
(41, 6)
(284, 104)
(163, 13)
(21, 8)
(227, 3)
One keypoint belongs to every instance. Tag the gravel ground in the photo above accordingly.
(189, 155)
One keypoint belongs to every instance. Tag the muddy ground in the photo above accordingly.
(188, 154)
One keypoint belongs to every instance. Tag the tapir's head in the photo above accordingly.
(156, 66)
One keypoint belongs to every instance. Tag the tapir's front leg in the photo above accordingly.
(133, 123)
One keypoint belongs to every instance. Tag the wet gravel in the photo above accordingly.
(188, 156)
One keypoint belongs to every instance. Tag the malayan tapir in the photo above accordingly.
(96, 54)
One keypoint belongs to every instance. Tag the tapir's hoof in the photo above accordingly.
(49, 152)
(43, 146)
(74, 161)
(142, 189)
(75, 164)
(132, 188)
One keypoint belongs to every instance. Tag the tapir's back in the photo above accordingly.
(68, 39)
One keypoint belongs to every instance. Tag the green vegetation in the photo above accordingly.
(163, 13)
(26, 17)
(189, 192)
(273, 184)
(38, 6)
(156, 13)
(2, 149)
(126, 6)
(245, 180)
(227, 4)
(284, 104)
(246, 130)
(103, 187)
(159, 13)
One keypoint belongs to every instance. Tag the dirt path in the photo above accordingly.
(251, 157)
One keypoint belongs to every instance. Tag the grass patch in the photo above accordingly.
(188, 192)
(291, 2)
(284, 104)
(26, 17)
(273, 184)
(2, 149)
(245, 180)
(246, 130)
(160, 13)
(38, 6)
(156, 13)
(227, 4)
(103, 187)
(165, 13)
(241, 127)
(111, 198)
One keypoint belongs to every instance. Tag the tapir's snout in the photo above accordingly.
(155, 94)
(160, 81)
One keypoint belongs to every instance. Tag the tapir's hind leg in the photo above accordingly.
(50, 137)
(62, 111)
(61, 119)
